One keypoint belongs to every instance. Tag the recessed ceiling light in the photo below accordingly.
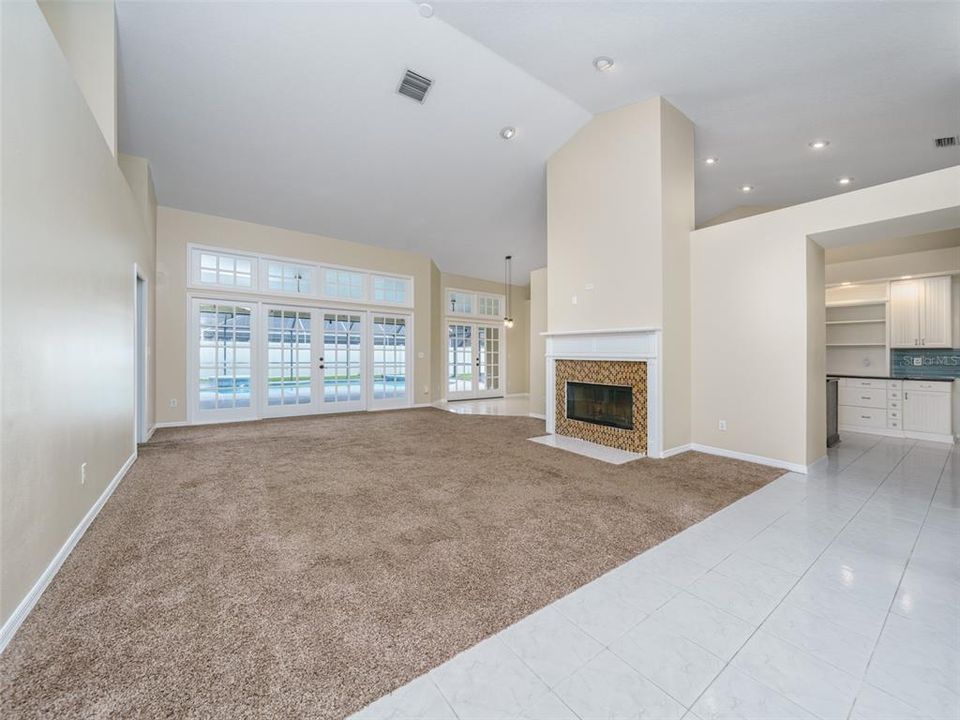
(746, 188)
(426, 10)
(845, 180)
(603, 63)
(818, 144)
(508, 132)
(711, 161)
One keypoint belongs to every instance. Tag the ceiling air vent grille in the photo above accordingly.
(943, 142)
(414, 85)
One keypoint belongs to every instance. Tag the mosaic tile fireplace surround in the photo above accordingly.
(616, 362)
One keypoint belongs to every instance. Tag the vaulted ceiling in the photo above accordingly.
(286, 113)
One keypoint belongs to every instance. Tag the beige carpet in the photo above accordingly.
(304, 567)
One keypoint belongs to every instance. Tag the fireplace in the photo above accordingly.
(610, 405)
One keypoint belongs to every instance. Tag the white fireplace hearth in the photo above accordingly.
(627, 345)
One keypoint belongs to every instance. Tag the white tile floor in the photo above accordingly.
(833, 595)
(512, 405)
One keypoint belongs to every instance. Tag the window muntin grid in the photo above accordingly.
(289, 361)
(342, 353)
(344, 284)
(224, 356)
(488, 305)
(460, 303)
(459, 358)
(389, 357)
(391, 290)
(289, 278)
(225, 270)
(488, 352)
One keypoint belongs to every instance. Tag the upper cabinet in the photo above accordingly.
(920, 313)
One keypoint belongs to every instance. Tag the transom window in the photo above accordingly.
(344, 284)
(462, 302)
(391, 290)
(289, 278)
(267, 275)
(488, 305)
(224, 270)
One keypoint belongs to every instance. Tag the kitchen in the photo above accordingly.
(893, 338)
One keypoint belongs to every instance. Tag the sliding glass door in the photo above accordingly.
(341, 363)
(389, 361)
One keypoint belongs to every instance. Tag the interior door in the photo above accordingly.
(341, 363)
(461, 361)
(291, 356)
(488, 361)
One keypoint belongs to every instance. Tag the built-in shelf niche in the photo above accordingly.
(856, 332)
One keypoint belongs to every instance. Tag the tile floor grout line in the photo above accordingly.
(903, 572)
(792, 587)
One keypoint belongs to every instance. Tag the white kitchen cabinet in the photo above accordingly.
(935, 320)
(927, 412)
(920, 313)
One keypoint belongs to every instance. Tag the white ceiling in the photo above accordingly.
(285, 114)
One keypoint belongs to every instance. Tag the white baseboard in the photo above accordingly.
(13, 623)
(759, 459)
(675, 451)
(173, 423)
(538, 416)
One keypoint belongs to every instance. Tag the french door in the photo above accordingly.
(269, 360)
(474, 360)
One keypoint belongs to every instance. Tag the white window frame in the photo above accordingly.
(258, 408)
(194, 274)
(475, 305)
(265, 264)
(260, 285)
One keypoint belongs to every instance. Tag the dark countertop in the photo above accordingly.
(893, 377)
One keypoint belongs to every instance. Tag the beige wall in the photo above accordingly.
(178, 228)
(752, 284)
(603, 223)
(86, 33)
(816, 338)
(945, 261)
(620, 209)
(677, 213)
(518, 337)
(738, 213)
(538, 344)
(71, 235)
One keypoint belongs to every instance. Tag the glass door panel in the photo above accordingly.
(342, 362)
(460, 361)
(488, 360)
(389, 362)
(290, 361)
(224, 361)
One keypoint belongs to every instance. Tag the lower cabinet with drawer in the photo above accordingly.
(919, 409)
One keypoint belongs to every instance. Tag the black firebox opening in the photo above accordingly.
(610, 405)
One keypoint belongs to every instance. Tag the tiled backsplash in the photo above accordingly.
(932, 363)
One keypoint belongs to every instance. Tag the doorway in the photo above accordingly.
(474, 360)
(141, 429)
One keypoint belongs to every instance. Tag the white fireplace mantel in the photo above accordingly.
(631, 344)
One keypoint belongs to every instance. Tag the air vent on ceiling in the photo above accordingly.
(414, 85)
(943, 142)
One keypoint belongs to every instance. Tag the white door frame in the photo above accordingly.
(323, 407)
(392, 403)
(475, 391)
(263, 350)
(141, 366)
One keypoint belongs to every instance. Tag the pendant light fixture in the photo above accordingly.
(507, 318)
